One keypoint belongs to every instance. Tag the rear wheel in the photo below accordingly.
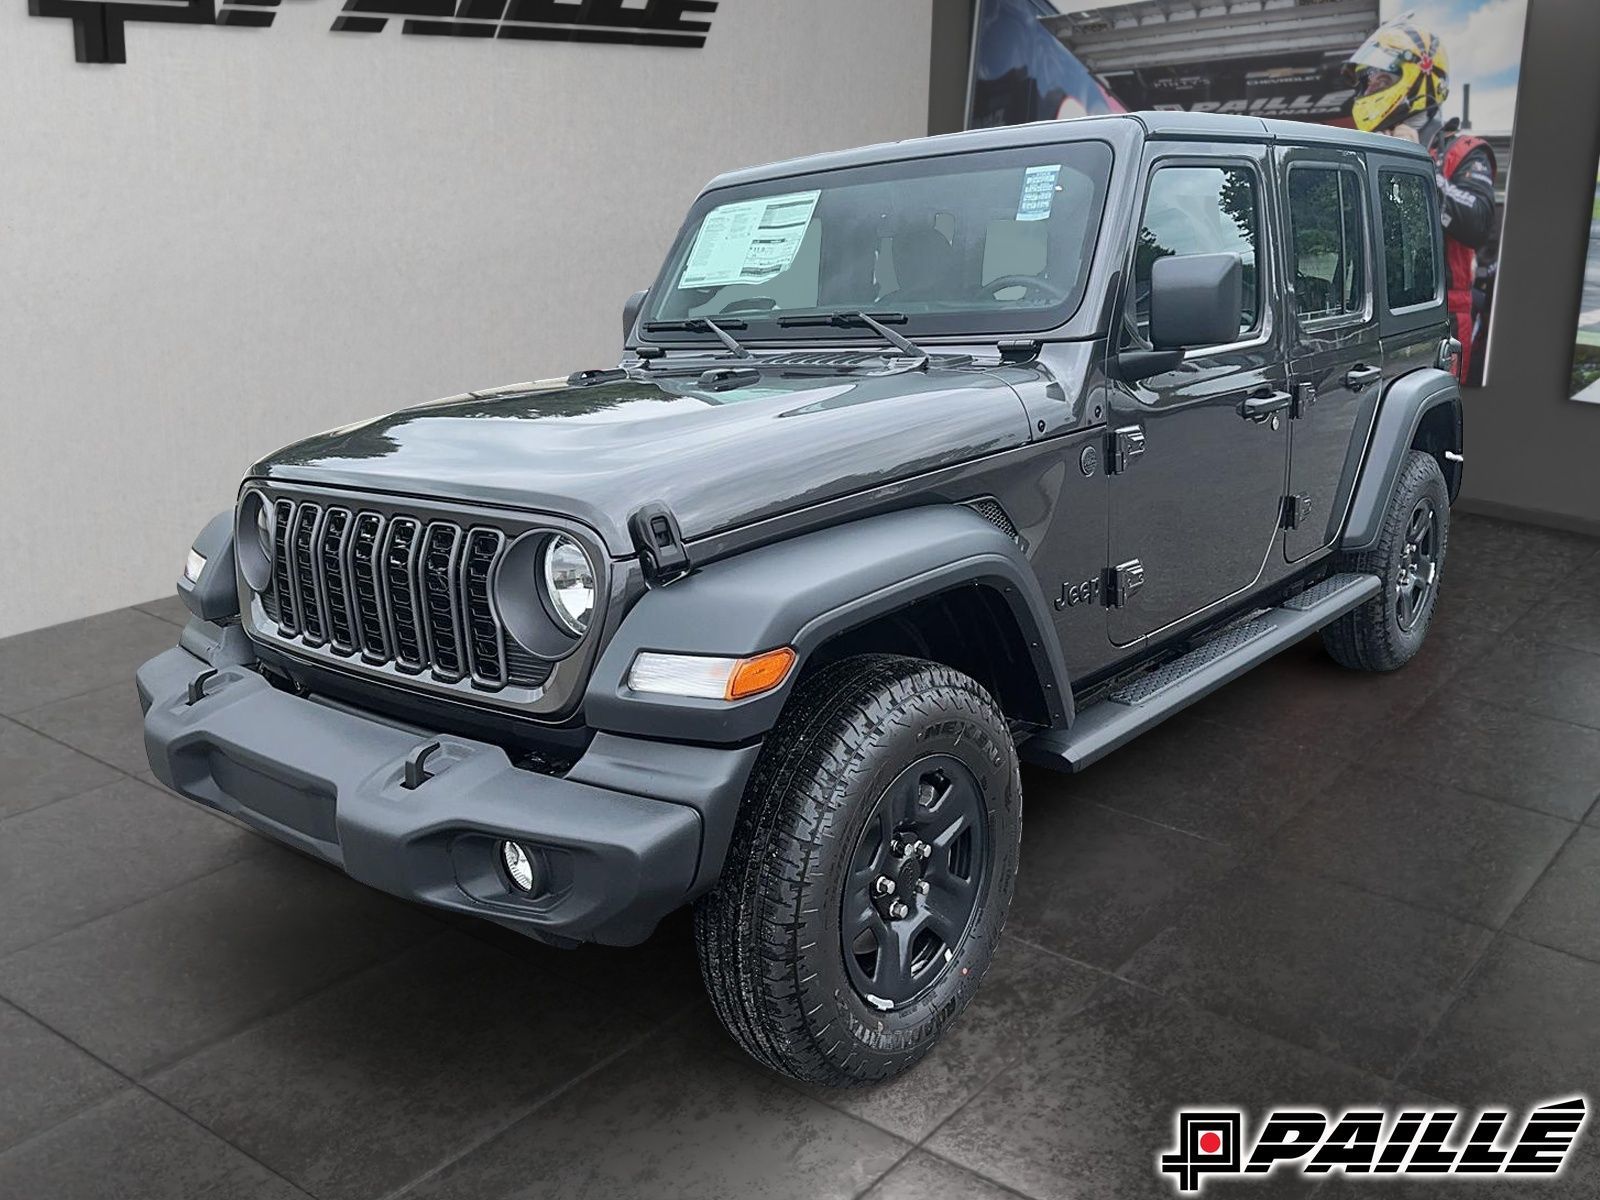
(1384, 633)
(869, 874)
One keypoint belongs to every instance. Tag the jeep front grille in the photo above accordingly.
(389, 589)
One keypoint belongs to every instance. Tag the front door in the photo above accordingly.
(1336, 362)
(1200, 452)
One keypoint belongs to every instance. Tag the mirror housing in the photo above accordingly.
(630, 314)
(1195, 300)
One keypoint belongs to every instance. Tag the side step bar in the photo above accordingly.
(1147, 700)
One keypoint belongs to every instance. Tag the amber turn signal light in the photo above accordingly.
(760, 673)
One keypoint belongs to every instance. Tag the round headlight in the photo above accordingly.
(252, 537)
(264, 520)
(569, 583)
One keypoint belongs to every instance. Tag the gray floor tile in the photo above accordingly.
(1563, 911)
(135, 1148)
(924, 1177)
(370, 1084)
(671, 1120)
(1096, 884)
(44, 1079)
(168, 608)
(655, 979)
(1026, 997)
(1542, 679)
(1489, 545)
(1303, 694)
(1482, 747)
(79, 656)
(1429, 844)
(1523, 1031)
(35, 770)
(1356, 976)
(89, 855)
(1569, 618)
(105, 724)
(1089, 1115)
(152, 983)
(1211, 780)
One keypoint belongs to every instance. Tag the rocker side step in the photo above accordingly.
(1149, 699)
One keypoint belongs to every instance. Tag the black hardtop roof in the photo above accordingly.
(1155, 126)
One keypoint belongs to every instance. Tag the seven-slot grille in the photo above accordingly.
(395, 590)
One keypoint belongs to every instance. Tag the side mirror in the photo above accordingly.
(630, 314)
(1195, 300)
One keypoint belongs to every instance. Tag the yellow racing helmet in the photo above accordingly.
(1400, 70)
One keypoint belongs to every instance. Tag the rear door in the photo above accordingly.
(1336, 361)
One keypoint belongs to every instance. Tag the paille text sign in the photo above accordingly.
(97, 25)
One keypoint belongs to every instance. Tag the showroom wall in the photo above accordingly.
(244, 235)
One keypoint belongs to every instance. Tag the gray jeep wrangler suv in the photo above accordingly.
(920, 459)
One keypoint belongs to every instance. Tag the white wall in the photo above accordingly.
(243, 236)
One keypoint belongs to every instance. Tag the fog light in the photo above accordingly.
(519, 865)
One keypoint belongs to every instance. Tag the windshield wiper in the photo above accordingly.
(874, 322)
(705, 325)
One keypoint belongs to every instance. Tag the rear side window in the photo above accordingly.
(1199, 210)
(1330, 277)
(1410, 261)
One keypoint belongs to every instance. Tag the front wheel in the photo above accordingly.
(870, 871)
(1384, 633)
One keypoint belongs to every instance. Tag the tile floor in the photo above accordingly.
(1315, 886)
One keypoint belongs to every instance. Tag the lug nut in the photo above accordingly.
(883, 886)
(922, 887)
(898, 909)
(897, 847)
(924, 850)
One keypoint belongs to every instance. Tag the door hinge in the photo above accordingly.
(1305, 395)
(1127, 444)
(1122, 581)
(1296, 510)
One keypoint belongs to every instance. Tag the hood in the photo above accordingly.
(718, 459)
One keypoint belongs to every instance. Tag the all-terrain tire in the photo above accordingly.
(769, 935)
(1382, 635)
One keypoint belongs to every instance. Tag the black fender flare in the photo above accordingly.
(215, 595)
(802, 592)
(1400, 414)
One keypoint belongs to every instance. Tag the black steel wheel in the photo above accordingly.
(869, 874)
(914, 881)
(1387, 631)
(1419, 565)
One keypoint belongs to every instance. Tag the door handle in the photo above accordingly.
(1362, 376)
(1261, 405)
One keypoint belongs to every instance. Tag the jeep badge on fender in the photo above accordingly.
(920, 460)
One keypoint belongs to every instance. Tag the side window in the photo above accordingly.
(1199, 210)
(1410, 267)
(1330, 278)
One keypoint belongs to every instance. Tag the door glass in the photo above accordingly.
(1329, 262)
(1199, 210)
(1409, 226)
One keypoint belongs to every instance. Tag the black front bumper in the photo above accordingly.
(330, 781)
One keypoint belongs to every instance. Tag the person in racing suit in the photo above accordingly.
(1401, 76)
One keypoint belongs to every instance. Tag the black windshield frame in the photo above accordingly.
(1093, 158)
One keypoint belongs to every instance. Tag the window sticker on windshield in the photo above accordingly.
(748, 242)
(1038, 192)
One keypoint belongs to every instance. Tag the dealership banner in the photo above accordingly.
(1034, 60)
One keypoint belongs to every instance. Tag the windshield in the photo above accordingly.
(973, 243)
